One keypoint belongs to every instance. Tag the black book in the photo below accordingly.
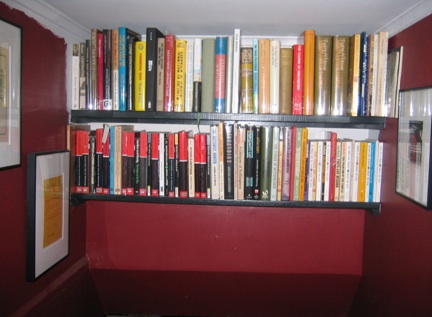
(250, 160)
(107, 36)
(229, 160)
(130, 57)
(137, 165)
(257, 184)
(152, 36)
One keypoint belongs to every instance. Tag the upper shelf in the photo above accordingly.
(207, 118)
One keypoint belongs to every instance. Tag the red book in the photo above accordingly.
(100, 70)
(332, 178)
(297, 89)
(183, 164)
(203, 164)
(169, 72)
(128, 139)
(143, 164)
(154, 164)
(172, 169)
(197, 163)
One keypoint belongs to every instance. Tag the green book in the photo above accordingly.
(208, 74)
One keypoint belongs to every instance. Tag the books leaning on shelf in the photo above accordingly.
(349, 75)
(232, 161)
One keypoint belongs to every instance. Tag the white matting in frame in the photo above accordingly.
(47, 211)
(413, 175)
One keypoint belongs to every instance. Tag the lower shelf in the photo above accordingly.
(372, 208)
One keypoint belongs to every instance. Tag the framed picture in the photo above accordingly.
(47, 211)
(413, 175)
(10, 95)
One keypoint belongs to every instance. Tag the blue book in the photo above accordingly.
(364, 73)
(220, 72)
(372, 172)
(255, 75)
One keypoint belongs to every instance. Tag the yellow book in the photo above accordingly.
(309, 72)
(140, 76)
(303, 157)
(180, 75)
(264, 76)
(354, 76)
(361, 194)
(246, 80)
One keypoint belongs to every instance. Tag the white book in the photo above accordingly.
(274, 164)
(161, 164)
(274, 75)
(378, 178)
(327, 171)
(348, 171)
(338, 169)
(355, 171)
(229, 74)
(373, 63)
(189, 75)
(319, 169)
(197, 60)
(235, 159)
(368, 171)
(214, 162)
(381, 73)
(313, 144)
(236, 73)
(75, 76)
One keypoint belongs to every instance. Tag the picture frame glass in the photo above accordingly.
(413, 153)
(47, 211)
(10, 94)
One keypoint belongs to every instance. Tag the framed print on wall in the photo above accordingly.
(47, 211)
(10, 95)
(413, 174)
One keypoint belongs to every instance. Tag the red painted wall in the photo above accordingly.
(44, 117)
(397, 270)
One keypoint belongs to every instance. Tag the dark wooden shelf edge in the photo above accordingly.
(205, 118)
(372, 208)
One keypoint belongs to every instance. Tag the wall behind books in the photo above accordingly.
(397, 266)
(44, 117)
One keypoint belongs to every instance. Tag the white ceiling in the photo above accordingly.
(253, 17)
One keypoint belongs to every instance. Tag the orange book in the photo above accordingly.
(309, 72)
(264, 75)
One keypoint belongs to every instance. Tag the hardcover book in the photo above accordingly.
(266, 163)
(220, 73)
(169, 72)
(236, 72)
(152, 36)
(246, 100)
(197, 76)
(353, 94)
(340, 65)
(309, 71)
(264, 75)
(322, 85)
(286, 80)
(274, 76)
(297, 88)
(208, 74)
(249, 169)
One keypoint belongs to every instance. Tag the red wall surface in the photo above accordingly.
(397, 273)
(44, 116)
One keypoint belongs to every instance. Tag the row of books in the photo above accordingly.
(118, 69)
(232, 161)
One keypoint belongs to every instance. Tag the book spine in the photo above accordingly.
(313, 144)
(340, 66)
(203, 165)
(154, 165)
(297, 88)
(183, 164)
(197, 75)
(177, 170)
(208, 166)
(246, 100)
(220, 73)
(162, 164)
(160, 73)
(319, 170)
(274, 76)
(152, 36)
(143, 162)
(280, 167)
(309, 71)
(191, 165)
(364, 84)
(338, 170)
(264, 75)
(235, 104)
(208, 74)
(82, 76)
(286, 80)
(322, 85)
(105, 182)
(171, 165)
(258, 159)
(228, 139)
(286, 166)
(92, 162)
(293, 160)
(122, 68)
(255, 75)
(381, 74)
(88, 75)
(93, 102)
(333, 157)
(229, 73)
(98, 161)
(235, 158)
(266, 153)
(197, 166)
(130, 58)
(107, 66)
(274, 167)
(140, 76)
(169, 72)
(75, 76)
(215, 182)
(249, 179)
(241, 135)
(378, 178)
(180, 75)
(189, 76)
(355, 167)
(303, 159)
(115, 69)
(137, 166)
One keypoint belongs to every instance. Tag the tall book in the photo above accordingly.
(229, 73)
(378, 178)
(128, 153)
(381, 74)
(235, 104)
(130, 70)
(303, 160)
(107, 68)
(191, 165)
(333, 159)
(246, 100)
(163, 160)
(297, 84)
(169, 72)
(249, 162)
(309, 71)
(115, 69)
(264, 75)
(197, 75)
(82, 76)
(286, 166)
(189, 76)
(208, 74)
(364, 73)
(105, 177)
(100, 71)
(116, 132)
(228, 139)
(274, 163)
(221, 159)
(180, 75)
(258, 159)
(152, 36)
(200, 158)
(241, 139)
(286, 80)
(340, 65)
(98, 161)
(140, 76)
(143, 163)
(123, 35)
(280, 167)
(172, 164)
(183, 164)
(274, 76)
(220, 73)
(353, 93)
(160, 74)
(297, 163)
(154, 164)
(75, 75)
(266, 155)
(372, 72)
(255, 75)
(214, 162)
(92, 101)
(322, 85)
